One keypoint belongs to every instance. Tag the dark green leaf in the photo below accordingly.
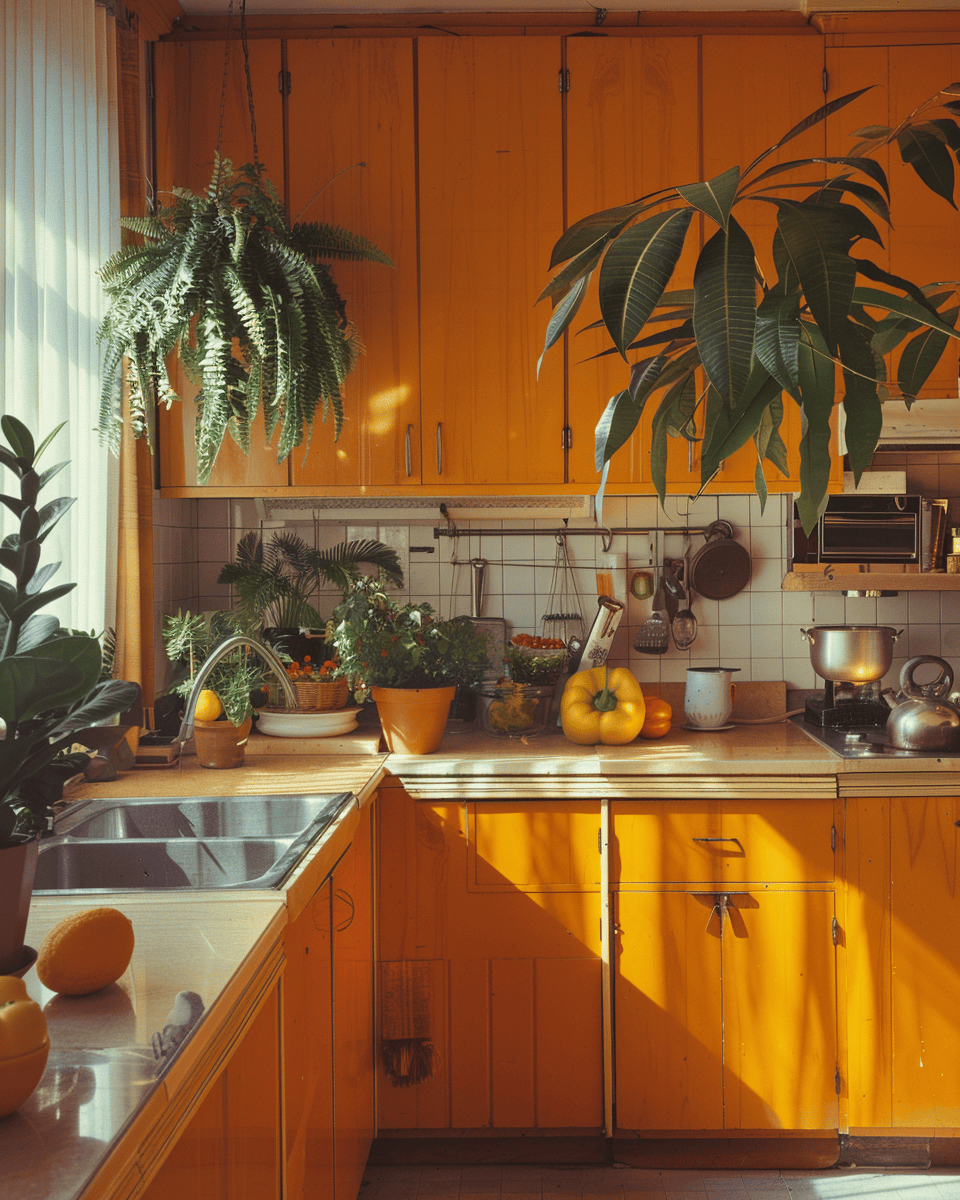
(925, 152)
(949, 131)
(598, 227)
(27, 685)
(777, 335)
(623, 412)
(635, 271)
(902, 306)
(861, 403)
(920, 355)
(865, 166)
(817, 389)
(562, 315)
(809, 122)
(573, 272)
(870, 269)
(816, 243)
(714, 198)
(729, 429)
(725, 310)
(19, 439)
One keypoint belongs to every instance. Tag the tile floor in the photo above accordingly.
(631, 1183)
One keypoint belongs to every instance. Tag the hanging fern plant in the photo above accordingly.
(245, 300)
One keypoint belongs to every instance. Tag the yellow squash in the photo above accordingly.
(656, 722)
(24, 1044)
(602, 706)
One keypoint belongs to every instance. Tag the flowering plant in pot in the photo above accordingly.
(404, 654)
(51, 686)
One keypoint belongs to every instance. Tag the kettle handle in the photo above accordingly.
(937, 688)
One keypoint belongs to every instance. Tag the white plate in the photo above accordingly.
(280, 723)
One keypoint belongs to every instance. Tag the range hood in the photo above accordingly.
(934, 424)
(367, 509)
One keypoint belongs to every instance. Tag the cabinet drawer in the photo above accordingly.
(534, 846)
(693, 841)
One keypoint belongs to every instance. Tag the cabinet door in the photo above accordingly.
(922, 245)
(632, 128)
(667, 1003)
(491, 196)
(925, 990)
(659, 841)
(353, 1047)
(502, 979)
(307, 991)
(351, 110)
(780, 1059)
(188, 83)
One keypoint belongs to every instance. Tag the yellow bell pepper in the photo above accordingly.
(656, 723)
(601, 705)
(24, 1044)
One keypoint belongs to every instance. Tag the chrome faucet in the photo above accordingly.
(215, 655)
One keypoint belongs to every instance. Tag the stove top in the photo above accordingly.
(863, 741)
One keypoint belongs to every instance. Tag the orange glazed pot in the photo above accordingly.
(413, 719)
(219, 744)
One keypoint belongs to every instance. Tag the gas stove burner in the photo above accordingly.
(845, 714)
(865, 741)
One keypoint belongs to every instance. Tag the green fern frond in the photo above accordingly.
(322, 242)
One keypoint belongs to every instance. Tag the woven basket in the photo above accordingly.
(322, 695)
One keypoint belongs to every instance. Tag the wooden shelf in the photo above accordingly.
(835, 580)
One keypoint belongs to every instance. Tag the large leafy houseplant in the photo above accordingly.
(190, 638)
(275, 581)
(381, 643)
(722, 356)
(245, 299)
(50, 677)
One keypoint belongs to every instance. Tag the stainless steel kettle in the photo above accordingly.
(923, 718)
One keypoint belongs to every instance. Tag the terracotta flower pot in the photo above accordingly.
(219, 744)
(413, 719)
(17, 867)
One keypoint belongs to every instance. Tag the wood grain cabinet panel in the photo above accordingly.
(188, 82)
(923, 243)
(351, 110)
(491, 204)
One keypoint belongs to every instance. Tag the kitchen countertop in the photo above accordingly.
(101, 1096)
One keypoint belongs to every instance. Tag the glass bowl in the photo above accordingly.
(514, 710)
(533, 664)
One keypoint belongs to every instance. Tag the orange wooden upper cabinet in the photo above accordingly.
(189, 77)
(351, 110)
(646, 113)
(923, 243)
(491, 204)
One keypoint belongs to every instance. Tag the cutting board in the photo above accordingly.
(754, 699)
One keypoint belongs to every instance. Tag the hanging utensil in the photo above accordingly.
(653, 636)
(684, 624)
(494, 629)
(564, 616)
(721, 567)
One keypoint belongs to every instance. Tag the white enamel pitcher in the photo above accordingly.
(708, 699)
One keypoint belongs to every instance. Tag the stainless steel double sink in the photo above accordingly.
(200, 842)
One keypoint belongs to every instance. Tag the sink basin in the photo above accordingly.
(110, 866)
(203, 817)
(187, 843)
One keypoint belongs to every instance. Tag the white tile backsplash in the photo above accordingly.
(757, 630)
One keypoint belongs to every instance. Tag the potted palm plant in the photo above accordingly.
(406, 660)
(50, 686)
(245, 299)
(274, 583)
(724, 356)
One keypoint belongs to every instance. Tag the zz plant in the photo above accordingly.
(245, 299)
(722, 357)
(51, 683)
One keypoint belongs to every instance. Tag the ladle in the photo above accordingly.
(684, 624)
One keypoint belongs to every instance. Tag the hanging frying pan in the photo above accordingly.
(721, 567)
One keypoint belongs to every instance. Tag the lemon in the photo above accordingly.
(85, 952)
(208, 706)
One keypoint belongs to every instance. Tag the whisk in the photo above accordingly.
(563, 618)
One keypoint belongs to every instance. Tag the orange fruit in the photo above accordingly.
(208, 706)
(85, 952)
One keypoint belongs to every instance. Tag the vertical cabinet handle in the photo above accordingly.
(439, 448)
(408, 451)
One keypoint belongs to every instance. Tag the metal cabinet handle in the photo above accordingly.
(409, 456)
(736, 841)
(439, 448)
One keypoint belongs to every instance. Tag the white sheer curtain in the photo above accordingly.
(59, 207)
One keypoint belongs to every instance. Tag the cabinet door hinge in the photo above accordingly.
(563, 80)
(566, 437)
(835, 930)
(833, 837)
(284, 83)
(837, 1081)
(824, 80)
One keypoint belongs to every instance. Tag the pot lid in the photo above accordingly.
(720, 569)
